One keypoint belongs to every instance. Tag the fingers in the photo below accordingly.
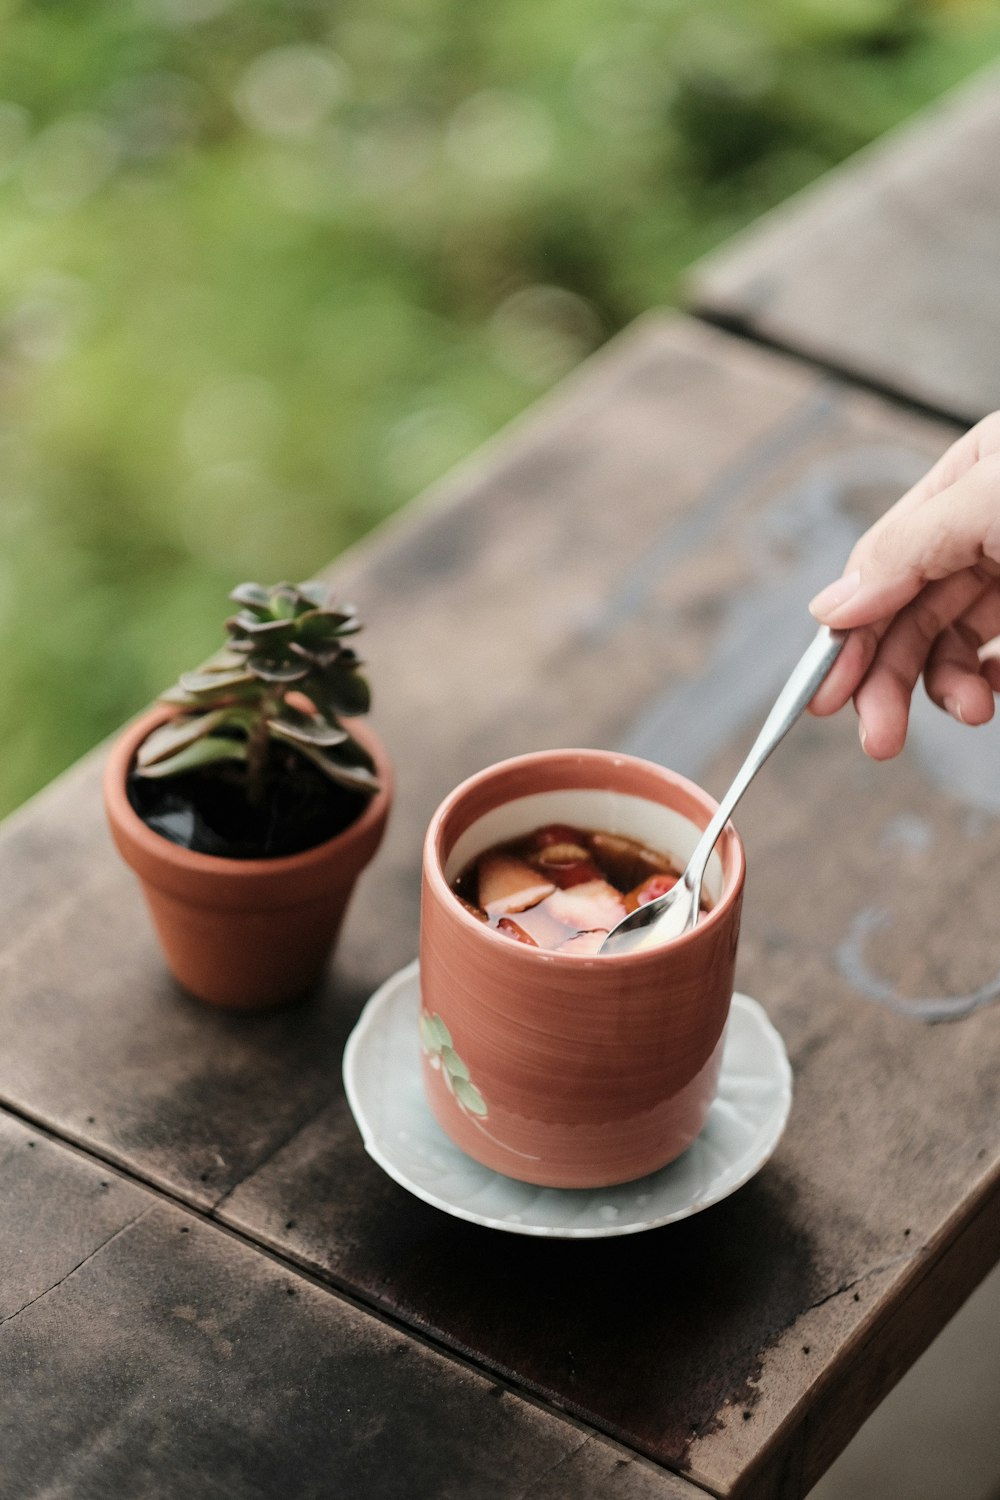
(977, 443)
(882, 698)
(935, 610)
(916, 543)
(848, 670)
(956, 676)
(919, 595)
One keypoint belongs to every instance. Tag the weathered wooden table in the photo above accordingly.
(886, 268)
(209, 1289)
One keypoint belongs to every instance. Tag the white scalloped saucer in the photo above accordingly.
(382, 1077)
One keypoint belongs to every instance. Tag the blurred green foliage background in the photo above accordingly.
(268, 267)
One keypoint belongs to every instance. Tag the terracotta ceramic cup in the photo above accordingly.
(562, 1070)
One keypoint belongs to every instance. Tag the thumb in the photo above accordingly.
(912, 546)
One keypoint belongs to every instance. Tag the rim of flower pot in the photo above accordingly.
(434, 863)
(164, 851)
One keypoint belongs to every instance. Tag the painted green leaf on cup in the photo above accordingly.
(453, 1064)
(428, 1037)
(437, 1043)
(433, 1032)
(469, 1096)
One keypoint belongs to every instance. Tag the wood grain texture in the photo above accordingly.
(57, 1213)
(890, 1339)
(629, 567)
(887, 267)
(153, 1355)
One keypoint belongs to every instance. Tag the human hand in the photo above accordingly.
(921, 594)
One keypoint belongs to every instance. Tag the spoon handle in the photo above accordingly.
(810, 671)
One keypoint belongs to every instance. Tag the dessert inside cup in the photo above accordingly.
(542, 1058)
(557, 871)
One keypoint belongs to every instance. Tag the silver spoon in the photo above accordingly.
(673, 914)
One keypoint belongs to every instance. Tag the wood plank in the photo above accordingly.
(629, 566)
(889, 1342)
(887, 267)
(146, 1353)
(57, 1213)
(58, 830)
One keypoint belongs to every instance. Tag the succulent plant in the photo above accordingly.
(284, 676)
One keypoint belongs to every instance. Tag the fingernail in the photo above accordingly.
(953, 707)
(835, 594)
(862, 735)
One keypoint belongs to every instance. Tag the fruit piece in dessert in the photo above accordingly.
(508, 884)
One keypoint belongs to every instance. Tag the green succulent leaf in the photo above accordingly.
(277, 668)
(246, 694)
(251, 595)
(203, 752)
(468, 1095)
(269, 630)
(339, 692)
(176, 735)
(316, 591)
(223, 661)
(336, 764)
(358, 754)
(331, 655)
(326, 624)
(213, 676)
(352, 690)
(306, 730)
(282, 637)
(284, 601)
(204, 682)
(176, 697)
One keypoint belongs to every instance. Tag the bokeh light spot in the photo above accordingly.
(540, 332)
(185, 12)
(42, 323)
(232, 421)
(290, 91)
(15, 126)
(421, 446)
(67, 162)
(390, 152)
(156, 113)
(500, 135)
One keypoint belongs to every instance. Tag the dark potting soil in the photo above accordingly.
(208, 811)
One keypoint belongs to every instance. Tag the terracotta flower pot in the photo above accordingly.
(244, 933)
(558, 1069)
